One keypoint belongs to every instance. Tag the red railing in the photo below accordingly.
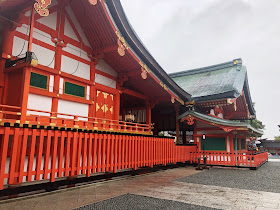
(39, 154)
(12, 114)
(230, 159)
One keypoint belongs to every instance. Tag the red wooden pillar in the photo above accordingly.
(92, 94)
(24, 93)
(148, 113)
(56, 87)
(177, 124)
(117, 106)
(57, 62)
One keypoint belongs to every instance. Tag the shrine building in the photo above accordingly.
(80, 94)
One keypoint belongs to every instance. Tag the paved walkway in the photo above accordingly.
(159, 190)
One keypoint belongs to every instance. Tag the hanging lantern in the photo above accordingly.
(129, 117)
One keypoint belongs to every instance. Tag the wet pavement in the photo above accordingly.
(266, 178)
(178, 188)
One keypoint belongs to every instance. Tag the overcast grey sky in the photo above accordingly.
(186, 34)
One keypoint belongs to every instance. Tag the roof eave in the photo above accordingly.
(131, 38)
(225, 95)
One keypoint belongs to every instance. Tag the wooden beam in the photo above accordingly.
(136, 94)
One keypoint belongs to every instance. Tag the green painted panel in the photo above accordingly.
(243, 143)
(75, 90)
(218, 144)
(38, 80)
(234, 144)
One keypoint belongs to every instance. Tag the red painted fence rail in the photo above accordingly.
(230, 159)
(38, 154)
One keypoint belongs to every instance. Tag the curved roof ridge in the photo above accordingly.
(138, 47)
(236, 62)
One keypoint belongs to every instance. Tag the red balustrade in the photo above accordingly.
(39, 154)
(230, 159)
(12, 114)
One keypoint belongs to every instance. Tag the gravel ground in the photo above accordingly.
(266, 178)
(130, 202)
(272, 157)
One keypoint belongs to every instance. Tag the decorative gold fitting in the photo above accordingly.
(76, 126)
(52, 124)
(39, 123)
(76, 120)
(27, 115)
(0, 111)
(57, 95)
(18, 113)
(26, 122)
(8, 56)
(0, 120)
(59, 72)
(34, 63)
(53, 117)
(111, 129)
(95, 128)
(18, 121)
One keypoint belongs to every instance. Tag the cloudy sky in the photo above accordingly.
(186, 34)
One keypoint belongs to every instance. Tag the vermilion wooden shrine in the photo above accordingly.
(80, 94)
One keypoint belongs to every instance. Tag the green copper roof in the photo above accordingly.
(220, 121)
(221, 81)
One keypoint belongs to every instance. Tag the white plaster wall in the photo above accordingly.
(38, 34)
(76, 51)
(75, 67)
(50, 20)
(61, 82)
(77, 25)
(44, 55)
(104, 67)
(51, 83)
(39, 102)
(68, 30)
(88, 93)
(228, 144)
(105, 81)
(18, 46)
(72, 108)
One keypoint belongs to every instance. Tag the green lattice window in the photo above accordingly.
(215, 144)
(243, 144)
(235, 146)
(74, 89)
(38, 80)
